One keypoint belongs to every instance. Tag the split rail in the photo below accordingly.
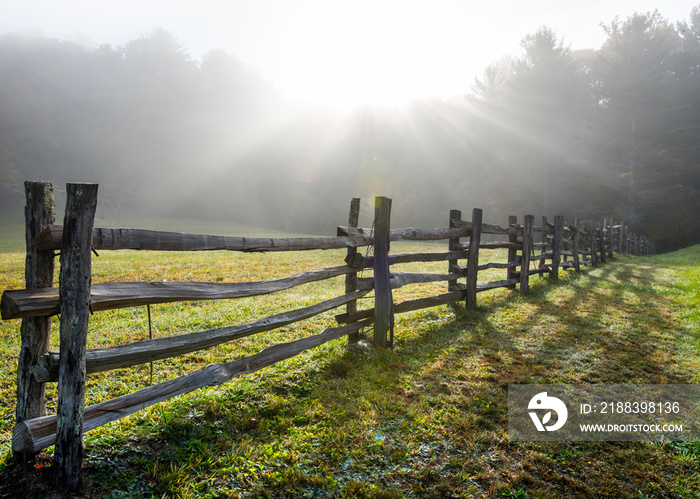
(531, 250)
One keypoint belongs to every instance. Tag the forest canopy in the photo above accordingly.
(612, 132)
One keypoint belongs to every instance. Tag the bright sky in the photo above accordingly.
(340, 53)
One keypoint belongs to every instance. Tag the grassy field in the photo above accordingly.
(426, 419)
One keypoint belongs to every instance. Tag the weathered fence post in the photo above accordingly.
(351, 278)
(557, 243)
(594, 244)
(604, 239)
(74, 292)
(614, 239)
(383, 301)
(637, 245)
(632, 243)
(528, 224)
(577, 241)
(34, 331)
(601, 241)
(622, 237)
(545, 244)
(473, 261)
(512, 252)
(452, 245)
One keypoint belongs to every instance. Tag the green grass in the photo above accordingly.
(427, 419)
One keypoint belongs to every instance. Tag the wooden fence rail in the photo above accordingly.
(560, 246)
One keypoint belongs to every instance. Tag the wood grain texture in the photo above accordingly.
(383, 300)
(36, 434)
(74, 296)
(113, 295)
(473, 261)
(141, 352)
(140, 239)
(525, 257)
(408, 306)
(355, 260)
(400, 279)
(34, 331)
(408, 234)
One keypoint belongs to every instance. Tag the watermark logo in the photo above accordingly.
(542, 402)
(603, 412)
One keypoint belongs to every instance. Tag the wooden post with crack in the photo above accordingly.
(74, 292)
(351, 260)
(453, 245)
(35, 331)
(383, 300)
(473, 261)
(527, 241)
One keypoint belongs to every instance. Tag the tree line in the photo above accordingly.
(613, 130)
(606, 132)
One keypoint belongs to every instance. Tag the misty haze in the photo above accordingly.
(549, 130)
(345, 249)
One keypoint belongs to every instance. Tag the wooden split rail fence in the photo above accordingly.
(531, 249)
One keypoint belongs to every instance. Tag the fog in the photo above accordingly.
(611, 132)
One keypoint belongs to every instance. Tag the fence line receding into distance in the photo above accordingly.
(532, 249)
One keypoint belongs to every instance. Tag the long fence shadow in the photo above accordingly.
(457, 365)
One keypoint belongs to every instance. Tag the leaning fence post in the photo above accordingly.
(383, 301)
(473, 261)
(351, 278)
(74, 294)
(557, 240)
(34, 331)
(527, 247)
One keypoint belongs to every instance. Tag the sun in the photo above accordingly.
(348, 54)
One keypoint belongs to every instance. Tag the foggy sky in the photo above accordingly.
(315, 49)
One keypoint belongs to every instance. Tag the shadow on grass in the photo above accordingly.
(615, 328)
(428, 419)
